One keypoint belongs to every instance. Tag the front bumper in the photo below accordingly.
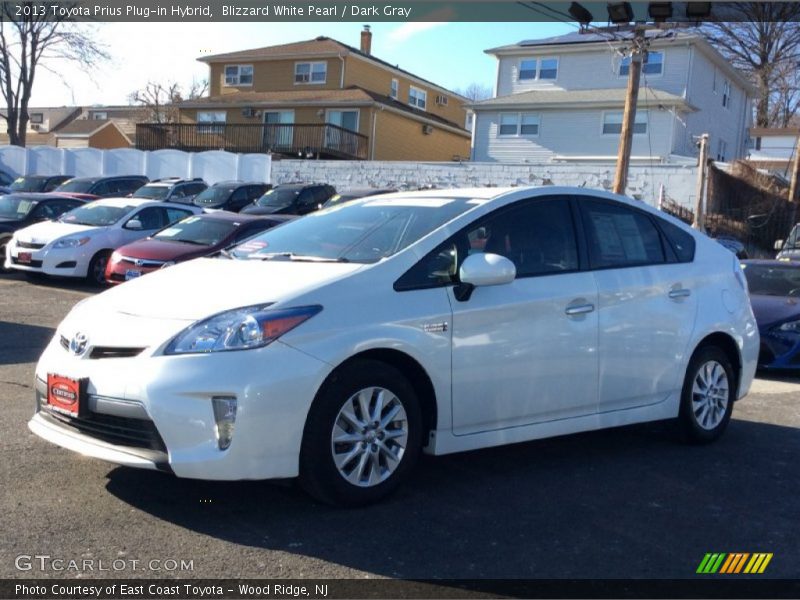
(62, 262)
(274, 387)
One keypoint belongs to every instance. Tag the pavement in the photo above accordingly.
(633, 502)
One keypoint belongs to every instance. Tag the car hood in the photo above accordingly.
(255, 209)
(47, 231)
(203, 287)
(771, 310)
(150, 249)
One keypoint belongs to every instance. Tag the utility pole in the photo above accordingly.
(638, 53)
(699, 208)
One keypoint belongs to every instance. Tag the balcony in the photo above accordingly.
(323, 141)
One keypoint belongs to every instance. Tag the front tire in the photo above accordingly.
(709, 391)
(362, 437)
(96, 275)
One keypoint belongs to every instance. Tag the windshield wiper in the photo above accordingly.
(297, 257)
(196, 243)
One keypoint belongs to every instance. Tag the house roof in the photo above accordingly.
(86, 128)
(611, 97)
(774, 131)
(351, 96)
(309, 48)
(576, 37)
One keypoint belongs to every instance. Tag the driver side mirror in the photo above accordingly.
(483, 269)
(134, 224)
(778, 244)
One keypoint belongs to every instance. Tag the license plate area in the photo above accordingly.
(66, 395)
(132, 274)
(24, 258)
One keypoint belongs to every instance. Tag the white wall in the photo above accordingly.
(212, 166)
(643, 182)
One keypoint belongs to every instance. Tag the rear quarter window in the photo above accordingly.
(682, 242)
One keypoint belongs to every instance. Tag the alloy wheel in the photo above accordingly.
(710, 395)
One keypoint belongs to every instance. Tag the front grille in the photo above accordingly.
(114, 352)
(117, 277)
(141, 262)
(119, 431)
(31, 263)
(29, 245)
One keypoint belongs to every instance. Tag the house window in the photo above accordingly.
(722, 150)
(395, 88)
(519, 124)
(653, 64)
(527, 69)
(238, 74)
(726, 94)
(37, 118)
(417, 97)
(98, 115)
(316, 72)
(548, 68)
(210, 121)
(612, 123)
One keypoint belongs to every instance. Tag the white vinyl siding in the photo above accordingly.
(238, 75)
(310, 72)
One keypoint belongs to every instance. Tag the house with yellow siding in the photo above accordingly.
(318, 98)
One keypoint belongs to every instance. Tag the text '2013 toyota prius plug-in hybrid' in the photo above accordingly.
(337, 347)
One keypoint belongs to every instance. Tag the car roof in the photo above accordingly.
(96, 178)
(224, 215)
(134, 202)
(774, 262)
(293, 186)
(235, 182)
(39, 196)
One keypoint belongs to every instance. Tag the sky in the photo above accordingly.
(450, 54)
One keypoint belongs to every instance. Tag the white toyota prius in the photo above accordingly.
(337, 347)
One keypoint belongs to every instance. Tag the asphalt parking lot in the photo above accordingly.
(627, 503)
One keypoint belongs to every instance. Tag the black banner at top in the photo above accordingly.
(359, 11)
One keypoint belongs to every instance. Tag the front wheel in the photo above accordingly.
(362, 436)
(709, 391)
(97, 268)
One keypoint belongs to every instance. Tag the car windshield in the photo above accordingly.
(205, 231)
(773, 280)
(75, 186)
(27, 184)
(214, 195)
(14, 207)
(793, 242)
(278, 197)
(157, 192)
(364, 231)
(96, 215)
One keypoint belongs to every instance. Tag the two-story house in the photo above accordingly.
(318, 98)
(562, 99)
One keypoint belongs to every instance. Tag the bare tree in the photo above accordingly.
(160, 101)
(764, 41)
(475, 91)
(29, 41)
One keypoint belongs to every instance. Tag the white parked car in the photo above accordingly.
(79, 243)
(338, 346)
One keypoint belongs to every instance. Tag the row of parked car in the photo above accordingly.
(111, 229)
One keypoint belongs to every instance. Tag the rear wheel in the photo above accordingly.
(709, 391)
(97, 268)
(362, 437)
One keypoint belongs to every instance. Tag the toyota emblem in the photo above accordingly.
(138, 262)
(78, 344)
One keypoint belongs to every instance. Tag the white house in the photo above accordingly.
(773, 148)
(561, 99)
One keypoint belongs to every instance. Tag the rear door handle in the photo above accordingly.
(581, 309)
(680, 293)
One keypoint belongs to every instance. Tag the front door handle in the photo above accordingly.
(680, 293)
(581, 309)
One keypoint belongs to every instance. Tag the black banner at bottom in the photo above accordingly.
(285, 589)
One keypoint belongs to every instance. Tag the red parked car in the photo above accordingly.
(192, 237)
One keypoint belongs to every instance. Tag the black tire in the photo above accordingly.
(96, 275)
(702, 428)
(319, 475)
(3, 243)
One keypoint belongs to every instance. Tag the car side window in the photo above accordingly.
(44, 210)
(619, 236)
(102, 189)
(151, 217)
(240, 195)
(682, 242)
(175, 214)
(179, 192)
(538, 236)
(127, 186)
(255, 191)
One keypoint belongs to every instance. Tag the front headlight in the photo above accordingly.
(239, 329)
(793, 326)
(71, 242)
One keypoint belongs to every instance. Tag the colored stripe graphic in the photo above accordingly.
(711, 562)
(729, 564)
(734, 563)
(758, 563)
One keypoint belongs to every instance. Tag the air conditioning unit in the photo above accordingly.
(427, 129)
(36, 126)
(248, 112)
(441, 100)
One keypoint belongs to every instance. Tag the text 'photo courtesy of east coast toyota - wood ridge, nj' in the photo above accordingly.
(419, 299)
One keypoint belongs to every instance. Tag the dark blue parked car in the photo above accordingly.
(775, 297)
